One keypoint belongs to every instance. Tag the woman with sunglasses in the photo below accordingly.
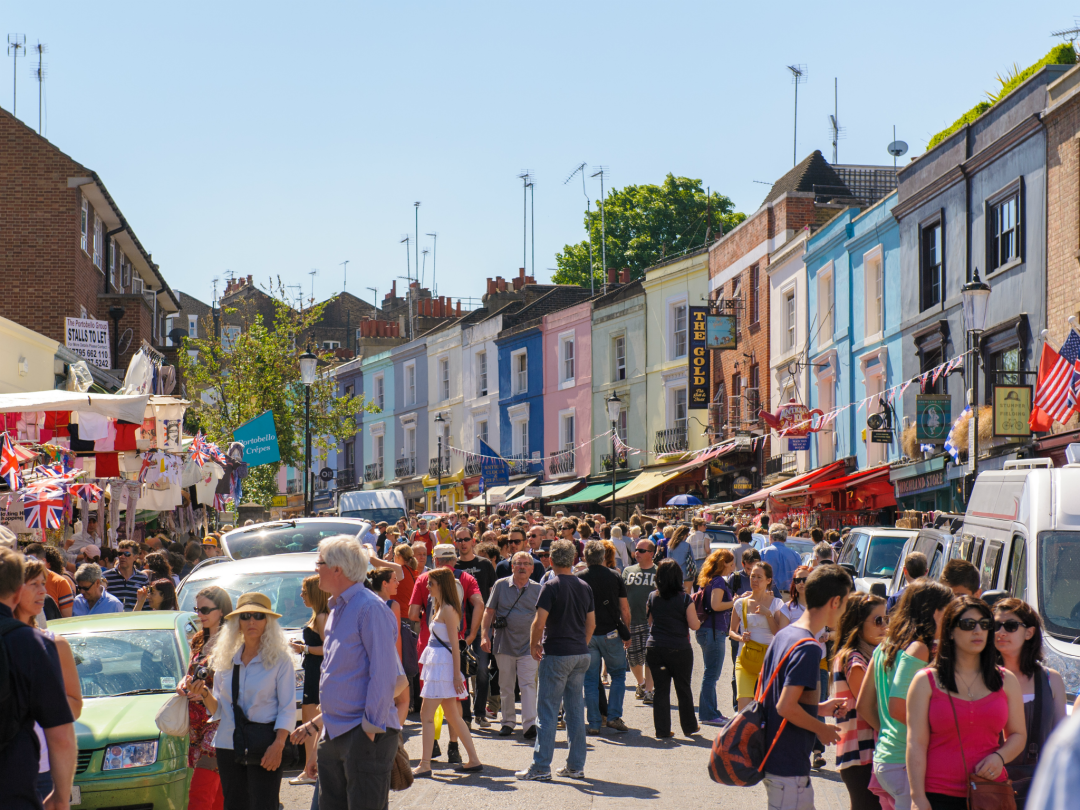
(754, 622)
(1018, 639)
(795, 608)
(959, 710)
(213, 605)
(716, 603)
(158, 595)
(253, 647)
(862, 628)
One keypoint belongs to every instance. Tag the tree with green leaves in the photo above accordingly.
(645, 225)
(233, 379)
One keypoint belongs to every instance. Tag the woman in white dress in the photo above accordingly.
(444, 684)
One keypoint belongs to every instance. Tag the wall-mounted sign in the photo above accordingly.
(279, 501)
(934, 415)
(1012, 409)
(794, 419)
(742, 485)
(89, 340)
(721, 332)
(326, 474)
(881, 436)
(700, 396)
(934, 479)
(798, 443)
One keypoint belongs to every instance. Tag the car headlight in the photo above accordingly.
(130, 755)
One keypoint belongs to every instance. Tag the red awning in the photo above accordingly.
(707, 456)
(856, 479)
(819, 474)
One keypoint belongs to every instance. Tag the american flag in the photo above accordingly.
(9, 465)
(1057, 391)
(43, 508)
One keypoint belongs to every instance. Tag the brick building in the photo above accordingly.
(67, 250)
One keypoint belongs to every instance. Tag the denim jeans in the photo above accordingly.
(612, 652)
(713, 645)
(562, 681)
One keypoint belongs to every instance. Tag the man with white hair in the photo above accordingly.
(361, 730)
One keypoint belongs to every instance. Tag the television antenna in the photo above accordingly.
(1069, 35)
(896, 148)
(313, 272)
(836, 131)
(588, 217)
(407, 238)
(416, 237)
(434, 247)
(799, 74)
(602, 172)
(423, 267)
(299, 293)
(39, 74)
(345, 276)
(526, 183)
(16, 47)
(375, 292)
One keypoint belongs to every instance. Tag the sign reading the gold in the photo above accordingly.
(699, 359)
(1012, 409)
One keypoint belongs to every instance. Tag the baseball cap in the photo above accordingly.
(444, 551)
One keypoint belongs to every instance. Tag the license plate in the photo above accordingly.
(76, 795)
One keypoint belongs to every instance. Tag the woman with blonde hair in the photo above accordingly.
(253, 654)
(312, 651)
(714, 609)
(444, 685)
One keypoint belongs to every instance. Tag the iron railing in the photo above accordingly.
(405, 467)
(562, 462)
(781, 463)
(671, 440)
(433, 466)
(346, 477)
(373, 471)
(522, 464)
(472, 465)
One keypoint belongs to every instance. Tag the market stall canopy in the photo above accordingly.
(496, 496)
(648, 480)
(590, 494)
(520, 500)
(125, 407)
(866, 479)
(708, 456)
(820, 474)
(555, 490)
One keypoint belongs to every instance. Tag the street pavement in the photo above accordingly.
(619, 768)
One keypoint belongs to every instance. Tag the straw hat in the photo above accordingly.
(253, 603)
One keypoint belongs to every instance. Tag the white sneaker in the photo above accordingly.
(529, 775)
(566, 773)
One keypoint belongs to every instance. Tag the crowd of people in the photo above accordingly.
(532, 624)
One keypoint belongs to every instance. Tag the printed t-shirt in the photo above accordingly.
(791, 753)
(639, 584)
(567, 599)
(892, 739)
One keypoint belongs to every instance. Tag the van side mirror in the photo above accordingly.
(990, 597)
(878, 589)
(850, 569)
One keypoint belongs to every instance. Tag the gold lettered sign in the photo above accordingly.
(1012, 409)
(699, 359)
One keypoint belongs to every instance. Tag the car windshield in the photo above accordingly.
(124, 662)
(721, 536)
(378, 515)
(1059, 582)
(283, 588)
(283, 538)
(884, 555)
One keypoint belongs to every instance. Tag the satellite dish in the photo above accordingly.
(897, 148)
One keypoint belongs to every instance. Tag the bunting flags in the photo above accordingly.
(91, 493)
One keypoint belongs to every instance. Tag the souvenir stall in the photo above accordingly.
(863, 498)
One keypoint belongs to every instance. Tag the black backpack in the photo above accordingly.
(11, 719)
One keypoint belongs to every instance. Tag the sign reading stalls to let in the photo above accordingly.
(89, 340)
(699, 359)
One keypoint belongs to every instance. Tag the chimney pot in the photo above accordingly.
(624, 275)
(611, 275)
(459, 308)
(521, 272)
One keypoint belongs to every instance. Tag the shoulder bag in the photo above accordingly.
(983, 793)
(173, 718)
(250, 740)
(468, 657)
(751, 653)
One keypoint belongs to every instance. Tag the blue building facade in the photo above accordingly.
(521, 400)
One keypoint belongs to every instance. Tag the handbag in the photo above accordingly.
(467, 656)
(401, 775)
(250, 740)
(983, 793)
(1020, 771)
(751, 653)
(173, 718)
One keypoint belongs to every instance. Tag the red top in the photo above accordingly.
(981, 722)
(420, 596)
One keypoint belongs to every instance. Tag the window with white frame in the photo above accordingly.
(125, 269)
(410, 383)
(112, 264)
(229, 336)
(170, 324)
(566, 431)
(679, 332)
(193, 326)
(620, 424)
(825, 436)
(410, 443)
(519, 363)
(99, 240)
(788, 320)
(379, 443)
(380, 392)
(678, 408)
(84, 224)
(874, 292)
(444, 378)
(566, 353)
(521, 438)
(481, 433)
(825, 306)
(618, 354)
(481, 374)
(330, 345)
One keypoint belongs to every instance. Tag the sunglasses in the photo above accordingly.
(643, 551)
(246, 617)
(1010, 626)
(799, 580)
(126, 553)
(967, 625)
(543, 555)
(881, 620)
(205, 611)
(85, 588)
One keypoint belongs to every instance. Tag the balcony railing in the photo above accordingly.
(621, 461)
(523, 464)
(782, 463)
(671, 440)
(373, 472)
(346, 477)
(433, 466)
(405, 467)
(562, 462)
(472, 465)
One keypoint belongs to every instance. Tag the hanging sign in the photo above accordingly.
(89, 340)
(1012, 409)
(797, 443)
(721, 332)
(699, 360)
(934, 415)
(259, 437)
(742, 485)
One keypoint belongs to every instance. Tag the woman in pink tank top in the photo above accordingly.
(964, 677)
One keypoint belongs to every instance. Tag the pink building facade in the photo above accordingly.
(567, 336)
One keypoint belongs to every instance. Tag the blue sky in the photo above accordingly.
(275, 138)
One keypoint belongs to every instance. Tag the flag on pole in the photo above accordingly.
(43, 507)
(1056, 387)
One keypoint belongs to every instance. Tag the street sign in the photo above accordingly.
(326, 474)
(279, 500)
(798, 443)
(934, 415)
(700, 395)
(480, 485)
(259, 437)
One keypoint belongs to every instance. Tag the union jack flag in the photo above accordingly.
(91, 493)
(49, 471)
(43, 507)
(1059, 379)
(9, 465)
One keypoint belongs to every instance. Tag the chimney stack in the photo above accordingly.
(459, 308)
(624, 275)
(612, 275)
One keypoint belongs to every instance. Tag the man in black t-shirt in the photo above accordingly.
(39, 697)
(482, 571)
(609, 597)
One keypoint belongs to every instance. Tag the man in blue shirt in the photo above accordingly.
(783, 560)
(93, 599)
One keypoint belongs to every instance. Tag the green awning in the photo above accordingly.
(590, 494)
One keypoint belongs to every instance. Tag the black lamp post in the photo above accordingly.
(976, 295)
(308, 365)
(614, 405)
(439, 422)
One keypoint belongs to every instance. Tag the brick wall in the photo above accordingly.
(138, 316)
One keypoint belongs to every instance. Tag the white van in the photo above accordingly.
(373, 505)
(1022, 531)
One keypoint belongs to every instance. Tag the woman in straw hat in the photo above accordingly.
(252, 643)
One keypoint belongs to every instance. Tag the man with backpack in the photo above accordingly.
(607, 644)
(31, 691)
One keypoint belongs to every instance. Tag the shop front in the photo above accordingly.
(863, 498)
(413, 492)
(926, 486)
(444, 495)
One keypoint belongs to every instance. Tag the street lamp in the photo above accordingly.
(439, 422)
(308, 365)
(614, 406)
(976, 295)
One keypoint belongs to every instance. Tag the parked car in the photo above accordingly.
(288, 536)
(872, 554)
(937, 543)
(129, 665)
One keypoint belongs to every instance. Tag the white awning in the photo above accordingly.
(555, 490)
(127, 407)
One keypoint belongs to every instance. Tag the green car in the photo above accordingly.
(129, 665)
